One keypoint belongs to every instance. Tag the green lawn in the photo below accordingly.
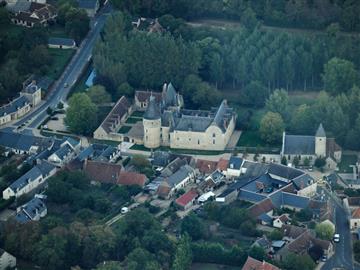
(57, 31)
(346, 161)
(124, 129)
(133, 120)
(251, 139)
(60, 58)
(137, 114)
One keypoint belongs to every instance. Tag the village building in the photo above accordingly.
(279, 221)
(185, 201)
(29, 97)
(29, 14)
(61, 43)
(90, 6)
(7, 261)
(253, 264)
(30, 180)
(311, 147)
(31, 211)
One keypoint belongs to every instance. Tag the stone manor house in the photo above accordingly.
(166, 123)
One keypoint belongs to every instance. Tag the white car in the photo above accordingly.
(336, 238)
(124, 210)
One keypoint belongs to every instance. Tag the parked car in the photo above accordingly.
(336, 238)
(124, 210)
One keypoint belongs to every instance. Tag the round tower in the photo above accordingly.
(320, 142)
(152, 124)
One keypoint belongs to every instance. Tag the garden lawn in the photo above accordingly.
(346, 161)
(124, 129)
(251, 139)
(133, 120)
(60, 58)
(137, 114)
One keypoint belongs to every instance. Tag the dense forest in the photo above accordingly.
(316, 14)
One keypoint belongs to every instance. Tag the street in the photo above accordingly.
(343, 250)
(70, 75)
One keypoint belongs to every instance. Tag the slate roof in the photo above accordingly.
(320, 131)
(253, 264)
(25, 179)
(173, 166)
(153, 110)
(179, 175)
(235, 163)
(186, 198)
(170, 95)
(226, 192)
(30, 210)
(294, 200)
(161, 158)
(283, 171)
(131, 178)
(18, 6)
(251, 196)
(102, 171)
(254, 169)
(299, 145)
(14, 105)
(118, 111)
(45, 167)
(24, 142)
(61, 41)
(193, 123)
(63, 152)
(303, 181)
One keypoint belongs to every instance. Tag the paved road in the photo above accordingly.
(70, 75)
(343, 250)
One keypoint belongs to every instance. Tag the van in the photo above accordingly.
(124, 210)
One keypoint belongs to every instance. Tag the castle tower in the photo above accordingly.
(152, 124)
(320, 142)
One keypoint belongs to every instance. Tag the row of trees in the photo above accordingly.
(340, 116)
(303, 14)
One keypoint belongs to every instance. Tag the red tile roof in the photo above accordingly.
(206, 166)
(262, 207)
(132, 178)
(284, 218)
(222, 164)
(102, 171)
(184, 199)
(253, 264)
(356, 213)
(143, 96)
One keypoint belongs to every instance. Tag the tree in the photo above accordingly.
(298, 262)
(278, 102)
(81, 116)
(140, 259)
(257, 253)
(183, 255)
(276, 235)
(98, 94)
(77, 24)
(193, 226)
(306, 162)
(296, 161)
(339, 76)
(4, 16)
(271, 127)
(320, 162)
(254, 93)
(324, 231)
(124, 89)
(316, 252)
(248, 19)
(302, 121)
(284, 160)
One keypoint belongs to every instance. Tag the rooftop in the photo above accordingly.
(184, 199)
(61, 41)
(253, 264)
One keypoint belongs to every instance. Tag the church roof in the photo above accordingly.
(170, 96)
(299, 145)
(320, 131)
(152, 111)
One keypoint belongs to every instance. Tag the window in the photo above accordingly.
(198, 141)
(214, 135)
(213, 141)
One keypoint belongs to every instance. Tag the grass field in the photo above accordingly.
(60, 58)
(137, 114)
(57, 31)
(124, 129)
(133, 120)
(346, 161)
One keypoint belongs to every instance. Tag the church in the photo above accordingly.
(166, 123)
(311, 147)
